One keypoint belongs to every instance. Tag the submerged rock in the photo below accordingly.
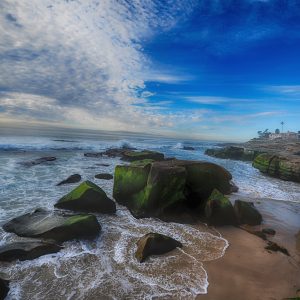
(283, 167)
(154, 244)
(275, 247)
(150, 188)
(54, 226)
(27, 250)
(189, 148)
(105, 176)
(246, 213)
(4, 288)
(71, 179)
(87, 197)
(219, 210)
(38, 161)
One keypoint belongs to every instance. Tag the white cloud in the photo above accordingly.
(82, 59)
(289, 90)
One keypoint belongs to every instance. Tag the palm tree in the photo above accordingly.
(282, 123)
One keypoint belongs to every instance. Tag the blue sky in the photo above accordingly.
(218, 69)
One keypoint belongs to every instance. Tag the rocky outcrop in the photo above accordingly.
(233, 152)
(246, 213)
(151, 188)
(71, 179)
(54, 226)
(104, 176)
(38, 161)
(87, 197)
(154, 244)
(4, 288)
(283, 167)
(219, 210)
(188, 148)
(27, 250)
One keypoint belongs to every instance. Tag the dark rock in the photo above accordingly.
(189, 148)
(283, 167)
(27, 250)
(275, 247)
(102, 165)
(87, 197)
(104, 176)
(269, 231)
(150, 188)
(54, 226)
(112, 152)
(130, 155)
(232, 152)
(246, 213)
(154, 244)
(254, 231)
(233, 188)
(38, 161)
(93, 154)
(4, 288)
(71, 179)
(219, 210)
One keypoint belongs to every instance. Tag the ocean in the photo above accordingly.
(105, 268)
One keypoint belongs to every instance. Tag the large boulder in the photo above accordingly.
(130, 155)
(4, 288)
(283, 167)
(246, 213)
(27, 250)
(154, 244)
(71, 179)
(219, 210)
(150, 188)
(54, 226)
(87, 197)
(232, 152)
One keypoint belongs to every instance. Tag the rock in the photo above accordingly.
(252, 230)
(112, 152)
(27, 250)
(219, 210)
(154, 244)
(54, 226)
(4, 288)
(38, 161)
(71, 179)
(102, 165)
(246, 213)
(87, 197)
(151, 188)
(283, 167)
(130, 155)
(104, 176)
(232, 152)
(275, 247)
(189, 148)
(93, 154)
(269, 231)
(233, 187)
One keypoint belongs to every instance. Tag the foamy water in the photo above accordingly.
(106, 268)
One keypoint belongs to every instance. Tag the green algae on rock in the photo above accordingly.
(55, 226)
(286, 168)
(233, 152)
(246, 213)
(131, 155)
(219, 210)
(154, 244)
(87, 197)
(151, 188)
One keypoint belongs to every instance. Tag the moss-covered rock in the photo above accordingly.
(27, 250)
(151, 188)
(233, 152)
(4, 288)
(219, 210)
(54, 226)
(246, 213)
(283, 167)
(130, 155)
(154, 244)
(87, 197)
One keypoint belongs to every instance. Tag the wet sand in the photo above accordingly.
(247, 271)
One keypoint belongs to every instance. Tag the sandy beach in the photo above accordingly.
(248, 271)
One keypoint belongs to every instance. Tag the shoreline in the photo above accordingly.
(250, 272)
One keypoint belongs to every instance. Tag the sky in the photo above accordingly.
(204, 69)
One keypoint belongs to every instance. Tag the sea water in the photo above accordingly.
(106, 268)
